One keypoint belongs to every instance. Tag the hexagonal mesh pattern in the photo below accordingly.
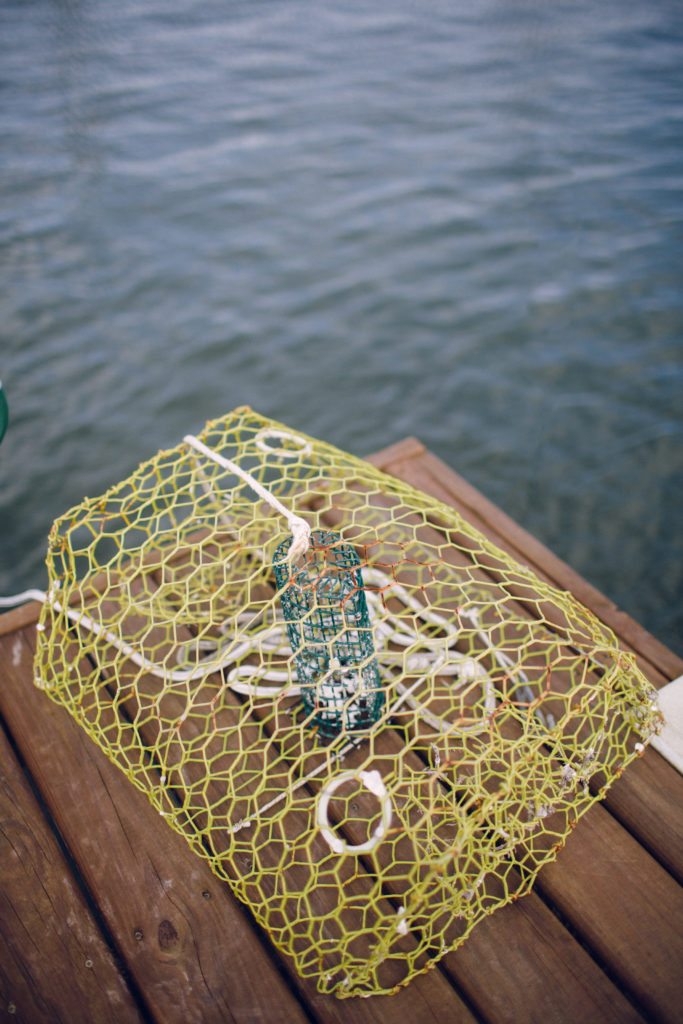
(376, 743)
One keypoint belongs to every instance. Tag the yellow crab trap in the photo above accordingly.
(374, 724)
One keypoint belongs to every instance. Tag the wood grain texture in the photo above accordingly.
(525, 953)
(648, 799)
(625, 907)
(598, 940)
(17, 618)
(47, 932)
(426, 472)
(197, 959)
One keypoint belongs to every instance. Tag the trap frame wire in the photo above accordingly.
(376, 730)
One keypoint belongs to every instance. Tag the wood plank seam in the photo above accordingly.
(546, 898)
(668, 857)
(78, 879)
(389, 895)
(601, 962)
(192, 867)
(269, 951)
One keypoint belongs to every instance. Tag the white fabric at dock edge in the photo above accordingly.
(669, 742)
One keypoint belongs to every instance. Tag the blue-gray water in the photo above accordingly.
(462, 221)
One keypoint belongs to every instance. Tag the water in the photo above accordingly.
(368, 220)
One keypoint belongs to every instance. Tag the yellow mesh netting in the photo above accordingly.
(375, 743)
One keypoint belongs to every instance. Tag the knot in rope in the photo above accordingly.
(301, 537)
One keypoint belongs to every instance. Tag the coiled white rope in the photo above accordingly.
(430, 657)
(434, 656)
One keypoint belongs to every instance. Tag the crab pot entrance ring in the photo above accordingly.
(372, 782)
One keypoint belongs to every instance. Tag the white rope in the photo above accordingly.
(22, 598)
(79, 618)
(300, 530)
(437, 656)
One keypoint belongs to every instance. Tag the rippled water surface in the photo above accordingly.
(368, 220)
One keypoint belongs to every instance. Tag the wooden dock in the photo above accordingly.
(107, 915)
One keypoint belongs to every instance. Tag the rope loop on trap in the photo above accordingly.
(303, 447)
(299, 528)
(373, 782)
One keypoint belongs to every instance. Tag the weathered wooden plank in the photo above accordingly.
(405, 449)
(187, 942)
(651, 809)
(648, 801)
(598, 914)
(626, 907)
(427, 472)
(47, 932)
(588, 993)
(531, 960)
(19, 617)
(428, 997)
